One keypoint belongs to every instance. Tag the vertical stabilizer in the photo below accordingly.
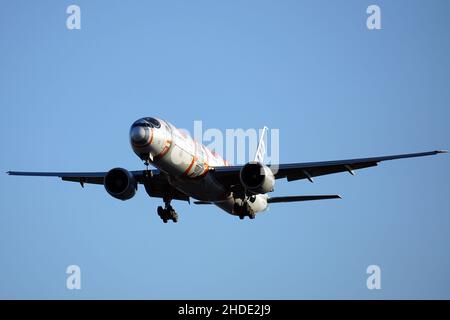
(261, 150)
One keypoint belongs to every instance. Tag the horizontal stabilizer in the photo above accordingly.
(302, 198)
(203, 202)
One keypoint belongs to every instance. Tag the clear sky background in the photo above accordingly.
(310, 68)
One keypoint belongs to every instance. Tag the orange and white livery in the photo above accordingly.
(186, 169)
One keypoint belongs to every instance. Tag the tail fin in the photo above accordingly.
(261, 150)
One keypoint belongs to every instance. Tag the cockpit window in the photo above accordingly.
(147, 122)
(141, 124)
(155, 123)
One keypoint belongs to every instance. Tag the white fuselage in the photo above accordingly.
(187, 164)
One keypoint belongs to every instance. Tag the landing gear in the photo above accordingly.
(244, 210)
(167, 213)
(147, 172)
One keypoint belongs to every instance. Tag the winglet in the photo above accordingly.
(441, 151)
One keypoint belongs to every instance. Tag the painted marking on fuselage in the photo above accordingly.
(167, 145)
(186, 172)
(151, 138)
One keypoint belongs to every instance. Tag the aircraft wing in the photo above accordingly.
(155, 182)
(81, 177)
(229, 176)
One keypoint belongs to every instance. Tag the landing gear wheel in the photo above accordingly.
(241, 217)
(167, 213)
(160, 212)
(173, 215)
(248, 210)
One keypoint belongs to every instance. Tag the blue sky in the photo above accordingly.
(310, 68)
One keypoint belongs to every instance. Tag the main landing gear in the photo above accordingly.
(244, 210)
(168, 212)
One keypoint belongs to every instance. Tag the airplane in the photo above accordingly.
(187, 169)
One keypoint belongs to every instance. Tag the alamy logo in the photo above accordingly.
(238, 145)
(74, 279)
(374, 280)
(74, 19)
(374, 20)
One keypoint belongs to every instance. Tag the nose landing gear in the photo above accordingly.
(167, 213)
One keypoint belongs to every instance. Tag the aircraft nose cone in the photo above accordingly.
(139, 135)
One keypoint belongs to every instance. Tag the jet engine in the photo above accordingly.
(257, 178)
(120, 184)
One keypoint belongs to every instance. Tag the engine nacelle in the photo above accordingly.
(120, 184)
(257, 178)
